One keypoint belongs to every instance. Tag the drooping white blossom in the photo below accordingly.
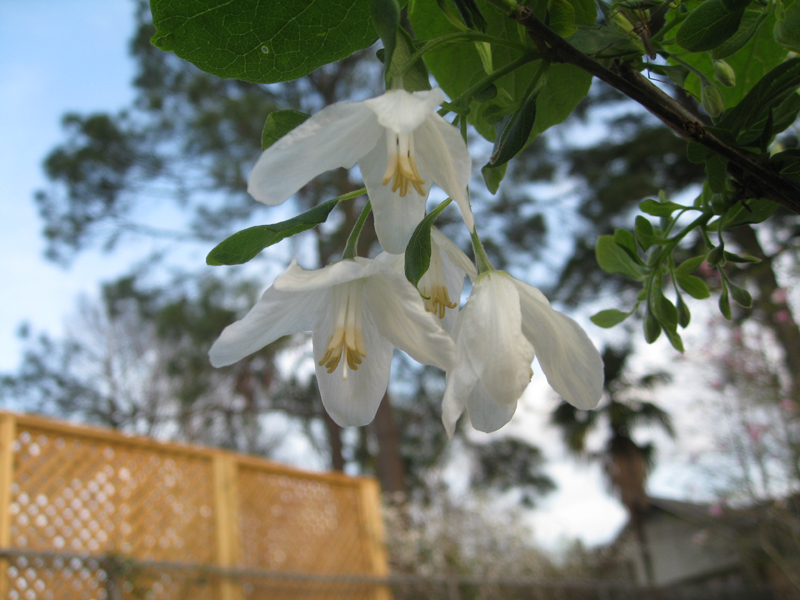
(401, 146)
(504, 325)
(357, 311)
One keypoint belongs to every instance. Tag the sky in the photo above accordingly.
(57, 57)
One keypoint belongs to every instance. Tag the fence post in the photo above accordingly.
(374, 535)
(8, 432)
(225, 506)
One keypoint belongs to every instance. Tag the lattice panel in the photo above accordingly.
(84, 497)
(297, 525)
(92, 496)
(76, 579)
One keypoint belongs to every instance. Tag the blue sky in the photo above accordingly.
(55, 57)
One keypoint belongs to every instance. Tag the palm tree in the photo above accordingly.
(625, 462)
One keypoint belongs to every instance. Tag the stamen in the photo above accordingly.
(347, 338)
(401, 167)
(433, 286)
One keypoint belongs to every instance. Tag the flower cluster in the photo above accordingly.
(359, 309)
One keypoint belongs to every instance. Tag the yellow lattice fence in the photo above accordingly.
(96, 494)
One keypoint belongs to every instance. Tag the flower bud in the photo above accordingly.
(712, 100)
(724, 73)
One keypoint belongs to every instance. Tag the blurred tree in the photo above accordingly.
(625, 462)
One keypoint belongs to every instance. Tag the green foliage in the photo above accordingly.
(261, 42)
(458, 67)
(787, 30)
(246, 244)
(418, 250)
(708, 26)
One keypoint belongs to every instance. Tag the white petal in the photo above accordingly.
(337, 136)
(298, 279)
(570, 361)
(491, 336)
(485, 413)
(442, 151)
(403, 112)
(275, 315)
(355, 400)
(456, 255)
(396, 216)
(400, 316)
(460, 382)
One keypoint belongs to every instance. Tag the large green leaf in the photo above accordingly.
(754, 59)
(787, 32)
(246, 244)
(747, 118)
(707, 26)
(259, 41)
(459, 66)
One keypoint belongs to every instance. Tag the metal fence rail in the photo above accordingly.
(120, 578)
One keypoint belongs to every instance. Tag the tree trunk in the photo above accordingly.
(389, 468)
(335, 443)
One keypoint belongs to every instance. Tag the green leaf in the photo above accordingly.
(609, 318)
(717, 256)
(665, 312)
(603, 42)
(697, 153)
(626, 240)
(750, 62)
(262, 42)
(785, 114)
(753, 211)
(562, 17)
(725, 303)
(659, 209)
(674, 339)
(684, 314)
(456, 67)
(652, 328)
(517, 131)
(707, 26)
(735, 258)
(493, 176)
(690, 265)
(694, 286)
(740, 295)
(418, 251)
(279, 123)
(751, 20)
(717, 171)
(246, 244)
(747, 119)
(614, 259)
(645, 234)
(787, 31)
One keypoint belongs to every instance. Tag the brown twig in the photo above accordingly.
(760, 181)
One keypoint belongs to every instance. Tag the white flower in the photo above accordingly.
(442, 283)
(400, 144)
(503, 325)
(357, 310)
